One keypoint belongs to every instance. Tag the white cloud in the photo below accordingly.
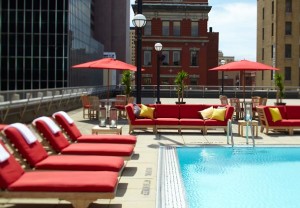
(236, 24)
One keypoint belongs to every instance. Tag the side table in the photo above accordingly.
(242, 123)
(106, 130)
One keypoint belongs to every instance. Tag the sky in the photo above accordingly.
(235, 20)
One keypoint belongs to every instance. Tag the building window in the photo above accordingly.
(147, 29)
(166, 28)
(263, 13)
(288, 51)
(176, 58)
(288, 28)
(194, 28)
(272, 29)
(147, 81)
(194, 58)
(147, 58)
(288, 6)
(193, 81)
(272, 7)
(166, 60)
(287, 73)
(176, 28)
(272, 75)
(263, 34)
(262, 54)
(272, 51)
(262, 75)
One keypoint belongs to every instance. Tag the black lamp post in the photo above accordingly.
(222, 63)
(158, 47)
(139, 21)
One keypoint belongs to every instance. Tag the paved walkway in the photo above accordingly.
(138, 183)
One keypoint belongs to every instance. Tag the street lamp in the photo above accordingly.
(222, 63)
(139, 21)
(158, 47)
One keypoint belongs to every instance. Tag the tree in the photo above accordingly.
(179, 81)
(126, 81)
(280, 87)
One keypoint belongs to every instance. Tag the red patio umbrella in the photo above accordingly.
(243, 65)
(109, 64)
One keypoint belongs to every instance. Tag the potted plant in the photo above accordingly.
(279, 82)
(179, 81)
(126, 81)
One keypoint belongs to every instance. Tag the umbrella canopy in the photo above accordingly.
(243, 65)
(107, 63)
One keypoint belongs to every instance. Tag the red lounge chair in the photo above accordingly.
(71, 129)
(61, 145)
(79, 187)
(38, 158)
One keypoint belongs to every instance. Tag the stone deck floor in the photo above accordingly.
(138, 183)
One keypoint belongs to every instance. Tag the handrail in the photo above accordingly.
(229, 132)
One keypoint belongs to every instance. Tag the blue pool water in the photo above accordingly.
(241, 177)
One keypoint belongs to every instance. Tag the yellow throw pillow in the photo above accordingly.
(146, 111)
(219, 114)
(207, 113)
(276, 115)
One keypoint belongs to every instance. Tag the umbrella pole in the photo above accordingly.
(107, 95)
(244, 84)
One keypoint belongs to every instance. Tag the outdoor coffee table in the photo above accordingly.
(106, 130)
(242, 123)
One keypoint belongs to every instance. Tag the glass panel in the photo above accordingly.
(176, 28)
(194, 28)
(166, 60)
(176, 58)
(147, 58)
(166, 28)
(194, 58)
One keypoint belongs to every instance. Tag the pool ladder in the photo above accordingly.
(252, 133)
(229, 133)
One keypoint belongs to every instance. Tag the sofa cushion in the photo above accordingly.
(167, 111)
(191, 111)
(269, 116)
(292, 112)
(167, 121)
(212, 122)
(147, 112)
(191, 122)
(145, 121)
(218, 114)
(207, 113)
(275, 113)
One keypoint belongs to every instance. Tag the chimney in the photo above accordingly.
(210, 29)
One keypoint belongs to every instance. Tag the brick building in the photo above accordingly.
(181, 27)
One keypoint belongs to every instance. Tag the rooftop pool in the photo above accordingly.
(223, 177)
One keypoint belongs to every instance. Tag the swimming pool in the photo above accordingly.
(224, 177)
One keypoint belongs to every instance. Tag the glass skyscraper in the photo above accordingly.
(42, 39)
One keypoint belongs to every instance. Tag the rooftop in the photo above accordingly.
(138, 182)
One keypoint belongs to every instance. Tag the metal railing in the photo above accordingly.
(19, 102)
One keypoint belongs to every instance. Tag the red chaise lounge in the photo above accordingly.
(79, 187)
(61, 145)
(67, 124)
(37, 157)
